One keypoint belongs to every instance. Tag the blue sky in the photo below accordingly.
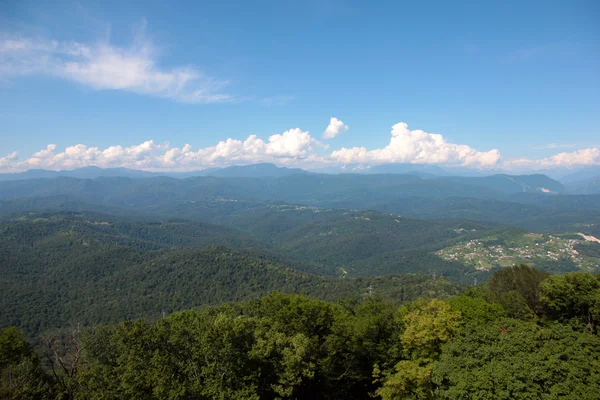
(508, 84)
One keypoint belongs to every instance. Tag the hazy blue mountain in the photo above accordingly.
(81, 173)
(500, 198)
(253, 171)
(580, 175)
(561, 202)
(30, 174)
(312, 189)
(422, 170)
(585, 186)
(514, 183)
(249, 171)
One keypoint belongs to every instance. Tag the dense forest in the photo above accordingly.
(298, 286)
(65, 270)
(525, 334)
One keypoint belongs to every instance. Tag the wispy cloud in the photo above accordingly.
(555, 146)
(275, 101)
(531, 53)
(105, 66)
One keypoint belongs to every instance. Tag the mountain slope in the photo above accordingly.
(513, 183)
(58, 272)
(585, 186)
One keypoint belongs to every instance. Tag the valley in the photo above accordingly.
(89, 253)
(113, 248)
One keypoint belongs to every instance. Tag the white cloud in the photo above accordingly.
(290, 147)
(293, 147)
(578, 158)
(291, 143)
(418, 147)
(7, 161)
(140, 156)
(335, 127)
(105, 66)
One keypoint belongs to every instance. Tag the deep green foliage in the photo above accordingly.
(63, 270)
(519, 281)
(296, 347)
(573, 297)
(21, 375)
(511, 359)
(281, 346)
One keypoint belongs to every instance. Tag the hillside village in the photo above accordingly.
(531, 248)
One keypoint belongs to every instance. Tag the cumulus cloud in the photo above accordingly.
(577, 158)
(418, 147)
(293, 147)
(289, 147)
(140, 156)
(105, 66)
(334, 128)
(7, 161)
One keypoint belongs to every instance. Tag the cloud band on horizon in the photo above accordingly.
(294, 147)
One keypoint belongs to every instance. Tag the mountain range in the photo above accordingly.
(583, 181)
(253, 171)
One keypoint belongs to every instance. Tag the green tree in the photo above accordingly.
(362, 335)
(520, 279)
(426, 330)
(574, 296)
(21, 375)
(513, 359)
(475, 308)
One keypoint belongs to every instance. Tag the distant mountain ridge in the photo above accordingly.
(585, 186)
(515, 183)
(92, 172)
(255, 171)
(307, 188)
(80, 173)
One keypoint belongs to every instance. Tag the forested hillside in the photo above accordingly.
(59, 269)
(63, 269)
(526, 334)
(322, 241)
(380, 280)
